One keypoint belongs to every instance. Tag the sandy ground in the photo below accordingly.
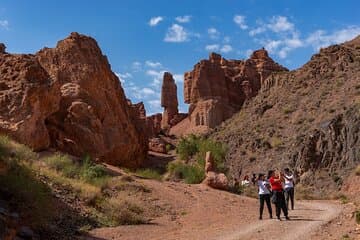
(198, 212)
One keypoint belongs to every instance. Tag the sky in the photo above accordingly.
(144, 38)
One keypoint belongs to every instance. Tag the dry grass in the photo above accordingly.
(357, 170)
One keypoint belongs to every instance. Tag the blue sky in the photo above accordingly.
(144, 38)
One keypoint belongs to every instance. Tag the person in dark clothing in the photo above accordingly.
(278, 197)
(253, 179)
(264, 194)
(289, 188)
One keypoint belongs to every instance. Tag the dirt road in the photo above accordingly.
(198, 212)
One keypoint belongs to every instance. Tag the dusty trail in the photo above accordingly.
(198, 212)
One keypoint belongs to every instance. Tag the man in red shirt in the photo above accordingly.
(278, 197)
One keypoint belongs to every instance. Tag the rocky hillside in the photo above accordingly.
(308, 119)
(67, 98)
(217, 88)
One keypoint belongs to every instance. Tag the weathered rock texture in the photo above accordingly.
(157, 145)
(217, 88)
(306, 119)
(68, 98)
(153, 124)
(169, 102)
(214, 179)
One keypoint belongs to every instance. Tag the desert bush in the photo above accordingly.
(357, 216)
(188, 147)
(194, 146)
(343, 198)
(62, 163)
(168, 148)
(4, 145)
(123, 212)
(275, 142)
(191, 173)
(149, 173)
(288, 110)
(85, 169)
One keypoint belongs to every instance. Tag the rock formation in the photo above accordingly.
(217, 88)
(2, 48)
(169, 100)
(153, 124)
(214, 179)
(157, 145)
(68, 98)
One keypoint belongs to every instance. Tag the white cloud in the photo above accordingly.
(240, 21)
(155, 21)
(213, 33)
(176, 33)
(157, 77)
(226, 48)
(147, 91)
(4, 24)
(183, 19)
(276, 24)
(153, 64)
(257, 30)
(136, 66)
(226, 39)
(280, 24)
(212, 47)
(321, 38)
(123, 76)
(179, 78)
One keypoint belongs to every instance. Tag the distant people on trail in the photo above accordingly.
(276, 180)
(246, 181)
(289, 188)
(264, 194)
(253, 179)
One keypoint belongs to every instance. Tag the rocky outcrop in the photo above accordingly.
(28, 96)
(153, 124)
(68, 98)
(157, 145)
(217, 88)
(2, 48)
(335, 146)
(214, 179)
(169, 100)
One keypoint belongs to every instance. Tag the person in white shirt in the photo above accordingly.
(246, 181)
(289, 188)
(264, 194)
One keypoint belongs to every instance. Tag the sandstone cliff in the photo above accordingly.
(68, 98)
(217, 88)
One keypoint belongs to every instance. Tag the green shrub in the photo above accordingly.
(188, 147)
(62, 163)
(149, 173)
(192, 174)
(122, 212)
(168, 148)
(4, 145)
(194, 146)
(217, 150)
(357, 216)
(90, 171)
(343, 199)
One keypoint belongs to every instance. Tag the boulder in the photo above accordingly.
(68, 98)
(157, 145)
(214, 179)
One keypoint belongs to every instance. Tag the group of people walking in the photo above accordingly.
(278, 188)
